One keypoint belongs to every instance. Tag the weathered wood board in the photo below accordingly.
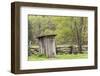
(47, 45)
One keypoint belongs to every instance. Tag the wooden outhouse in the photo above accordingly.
(47, 45)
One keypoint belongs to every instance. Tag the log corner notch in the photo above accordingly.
(47, 45)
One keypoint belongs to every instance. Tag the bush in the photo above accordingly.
(40, 55)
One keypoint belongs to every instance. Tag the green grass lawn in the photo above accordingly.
(59, 56)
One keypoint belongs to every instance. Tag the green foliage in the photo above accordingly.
(40, 55)
(68, 29)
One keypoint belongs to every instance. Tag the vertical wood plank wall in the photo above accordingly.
(47, 46)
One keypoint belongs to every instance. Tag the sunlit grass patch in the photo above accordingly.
(58, 56)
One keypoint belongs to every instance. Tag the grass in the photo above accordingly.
(58, 56)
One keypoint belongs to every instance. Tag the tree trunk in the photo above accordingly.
(79, 34)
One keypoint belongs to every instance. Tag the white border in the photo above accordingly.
(24, 64)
